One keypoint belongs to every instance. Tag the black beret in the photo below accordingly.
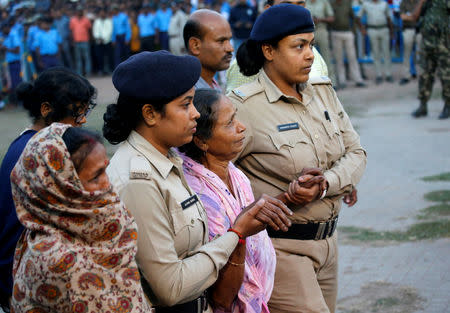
(281, 20)
(157, 76)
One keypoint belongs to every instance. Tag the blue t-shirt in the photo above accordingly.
(121, 26)
(163, 18)
(31, 37)
(12, 41)
(62, 25)
(147, 24)
(11, 229)
(48, 41)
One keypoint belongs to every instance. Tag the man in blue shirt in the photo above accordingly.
(48, 43)
(148, 24)
(242, 17)
(163, 16)
(11, 45)
(62, 26)
(121, 34)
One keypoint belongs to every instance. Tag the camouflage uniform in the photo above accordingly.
(434, 54)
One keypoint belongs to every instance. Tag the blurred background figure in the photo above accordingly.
(80, 26)
(323, 16)
(177, 22)
(148, 25)
(343, 41)
(163, 15)
(242, 17)
(379, 28)
(102, 34)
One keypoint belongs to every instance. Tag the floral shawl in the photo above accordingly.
(77, 252)
(222, 209)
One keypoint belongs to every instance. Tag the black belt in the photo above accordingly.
(376, 26)
(195, 306)
(310, 231)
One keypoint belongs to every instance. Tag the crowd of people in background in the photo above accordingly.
(93, 37)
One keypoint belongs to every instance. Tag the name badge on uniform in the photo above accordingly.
(285, 127)
(188, 202)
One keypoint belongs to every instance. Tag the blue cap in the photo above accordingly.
(157, 76)
(281, 20)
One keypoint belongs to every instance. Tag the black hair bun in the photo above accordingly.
(116, 127)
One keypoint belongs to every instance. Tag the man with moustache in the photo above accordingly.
(207, 36)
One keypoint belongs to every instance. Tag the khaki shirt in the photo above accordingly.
(174, 255)
(284, 135)
(320, 9)
(378, 13)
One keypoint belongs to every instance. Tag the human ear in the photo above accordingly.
(45, 109)
(200, 143)
(195, 45)
(268, 51)
(149, 115)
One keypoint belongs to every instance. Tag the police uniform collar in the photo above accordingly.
(162, 163)
(274, 93)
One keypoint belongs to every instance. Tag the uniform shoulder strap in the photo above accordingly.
(248, 90)
(140, 168)
(319, 80)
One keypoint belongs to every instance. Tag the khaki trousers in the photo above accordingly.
(379, 47)
(409, 35)
(345, 41)
(322, 40)
(305, 276)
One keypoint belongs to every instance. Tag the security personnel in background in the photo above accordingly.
(293, 124)
(153, 114)
(434, 53)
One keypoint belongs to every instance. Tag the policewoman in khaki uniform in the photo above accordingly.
(294, 124)
(154, 113)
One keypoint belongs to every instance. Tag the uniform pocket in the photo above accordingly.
(287, 139)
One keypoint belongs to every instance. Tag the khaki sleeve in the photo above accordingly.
(348, 170)
(244, 117)
(172, 280)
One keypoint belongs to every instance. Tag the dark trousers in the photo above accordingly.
(148, 43)
(66, 54)
(50, 61)
(104, 57)
(14, 73)
(121, 50)
(164, 40)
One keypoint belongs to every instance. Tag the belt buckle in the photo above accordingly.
(320, 231)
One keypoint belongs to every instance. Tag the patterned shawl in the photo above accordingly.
(77, 252)
(222, 209)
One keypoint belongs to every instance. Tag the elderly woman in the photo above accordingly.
(77, 253)
(225, 191)
(293, 124)
(154, 114)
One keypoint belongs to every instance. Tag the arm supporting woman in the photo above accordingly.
(230, 280)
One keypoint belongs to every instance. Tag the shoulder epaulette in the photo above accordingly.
(140, 168)
(246, 91)
(320, 80)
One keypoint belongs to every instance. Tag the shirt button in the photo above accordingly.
(192, 221)
(316, 136)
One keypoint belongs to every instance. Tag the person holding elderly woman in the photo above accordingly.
(292, 124)
(154, 114)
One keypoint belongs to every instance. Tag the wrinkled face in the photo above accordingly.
(177, 125)
(293, 58)
(216, 50)
(227, 134)
(92, 171)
